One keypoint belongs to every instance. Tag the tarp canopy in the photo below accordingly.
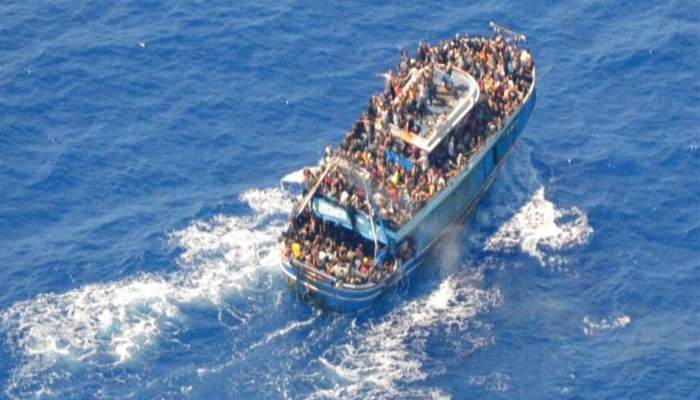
(359, 221)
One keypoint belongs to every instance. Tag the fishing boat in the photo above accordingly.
(424, 152)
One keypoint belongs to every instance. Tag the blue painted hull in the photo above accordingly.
(452, 204)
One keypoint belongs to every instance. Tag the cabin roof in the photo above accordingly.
(446, 112)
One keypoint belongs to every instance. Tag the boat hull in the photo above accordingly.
(453, 204)
(327, 294)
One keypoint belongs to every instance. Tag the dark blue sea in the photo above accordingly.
(141, 149)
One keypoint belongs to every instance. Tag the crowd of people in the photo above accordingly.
(401, 177)
(338, 252)
(400, 189)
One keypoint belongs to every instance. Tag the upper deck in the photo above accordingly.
(419, 138)
(455, 96)
(422, 154)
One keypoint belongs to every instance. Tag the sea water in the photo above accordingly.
(141, 148)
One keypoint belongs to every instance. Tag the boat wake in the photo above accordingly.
(103, 325)
(291, 326)
(541, 229)
(95, 329)
(385, 358)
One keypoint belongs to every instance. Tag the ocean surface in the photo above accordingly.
(141, 148)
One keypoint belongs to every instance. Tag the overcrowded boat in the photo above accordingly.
(423, 153)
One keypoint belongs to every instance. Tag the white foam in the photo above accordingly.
(591, 327)
(392, 351)
(540, 229)
(496, 381)
(107, 324)
(293, 325)
(268, 201)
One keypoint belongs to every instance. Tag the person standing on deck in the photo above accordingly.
(389, 91)
(422, 108)
(424, 161)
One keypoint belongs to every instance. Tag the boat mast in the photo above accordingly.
(311, 193)
(370, 211)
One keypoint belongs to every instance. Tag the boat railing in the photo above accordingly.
(311, 272)
(365, 285)
(371, 283)
(501, 29)
(321, 276)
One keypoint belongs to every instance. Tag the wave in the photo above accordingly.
(591, 327)
(293, 325)
(540, 229)
(381, 359)
(108, 324)
(495, 381)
